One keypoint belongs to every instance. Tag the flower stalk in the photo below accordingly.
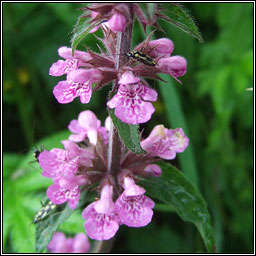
(123, 45)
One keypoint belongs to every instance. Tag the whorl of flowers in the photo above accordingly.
(84, 160)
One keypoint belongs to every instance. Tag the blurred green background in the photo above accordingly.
(213, 106)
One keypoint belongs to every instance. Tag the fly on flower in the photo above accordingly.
(44, 212)
(141, 57)
(37, 152)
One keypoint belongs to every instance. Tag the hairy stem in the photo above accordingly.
(123, 45)
(103, 246)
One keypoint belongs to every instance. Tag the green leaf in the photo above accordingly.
(179, 17)
(81, 30)
(46, 228)
(129, 134)
(175, 190)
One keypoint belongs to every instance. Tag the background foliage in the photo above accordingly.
(212, 105)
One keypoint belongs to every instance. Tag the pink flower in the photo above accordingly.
(62, 67)
(165, 143)
(153, 170)
(81, 243)
(117, 22)
(175, 66)
(66, 190)
(87, 125)
(161, 47)
(58, 162)
(61, 244)
(101, 221)
(85, 155)
(78, 83)
(131, 101)
(132, 206)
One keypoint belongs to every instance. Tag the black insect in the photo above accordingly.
(141, 57)
(44, 212)
(37, 152)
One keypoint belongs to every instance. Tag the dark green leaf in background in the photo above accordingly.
(174, 189)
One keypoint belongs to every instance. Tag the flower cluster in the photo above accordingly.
(83, 162)
(61, 244)
(87, 71)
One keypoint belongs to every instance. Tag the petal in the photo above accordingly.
(128, 78)
(175, 66)
(147, 93)
(75, 127)
(57, 244)
(88, 120)
(105, 205)
(86, 94)
(117, 22)
(131, 189)
(56, 194)
(77, 137)
(81, 243)
(64, 93)
(155, 136)
(66, 53)
(100, 226)
(58, 68)
(115, 101)
(82, 76)
(101, 230)
(49, 164)
(135, 114)
(162, 46)
(133, 210)
(72, 203)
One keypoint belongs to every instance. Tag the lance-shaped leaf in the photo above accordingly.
(129, 134)
(81, 30)
(172, 188)
(179, 17)
(46, 227)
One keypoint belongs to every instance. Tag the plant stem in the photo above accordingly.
(123, 45)
(103, 246)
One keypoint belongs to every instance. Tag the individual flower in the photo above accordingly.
(87, 125)
(175, 66)
(85, 154)
(78, 83)
(58, 162)
(61, 244)
(101, 221)
(66, 189)
(117, 22)
(70, 63)
(113, 16)
(165, 143)
(133, 207)
(161, 47)
(131, 101)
